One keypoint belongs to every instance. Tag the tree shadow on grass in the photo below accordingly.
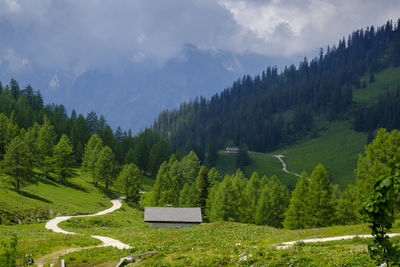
(30, 195)
(76, 186)
(108, 192)
(47, 180)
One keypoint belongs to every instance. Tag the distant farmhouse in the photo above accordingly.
(232, 150)
(172, 217)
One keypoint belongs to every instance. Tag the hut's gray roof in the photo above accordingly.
(157, 214)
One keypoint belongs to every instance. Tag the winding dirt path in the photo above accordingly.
(286, 245)
(284, 168)
(107, 241)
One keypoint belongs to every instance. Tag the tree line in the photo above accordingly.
(40, 141)
(25, 108)
(315, 201)
(274, 109)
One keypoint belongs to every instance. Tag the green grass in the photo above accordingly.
(262, 163)
(48, 199)
(387, 80)
(220, 243)
(36, 240)
(337, 148)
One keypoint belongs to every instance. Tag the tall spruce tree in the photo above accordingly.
(202, 185)
(141, 154)
(160, 152)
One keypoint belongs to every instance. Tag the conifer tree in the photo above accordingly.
(187, 195)
(128, 182)
(272, 204)
(63, 159)
(202, 185)
(141, 154)
(322, 199)
(158, 153)
(348, 205)
(80, 133)
(251, 197)
(190, 165)
(129, 156)
(380, 156)
(45, 142)
(159, 183)
(106, 166)
(17, 162)
(90, 155)
(296, 216)
(213, 176)
(176, 176)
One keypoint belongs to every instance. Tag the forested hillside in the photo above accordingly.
(273, 109)
(24, 109)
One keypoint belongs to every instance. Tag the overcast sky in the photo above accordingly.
(78, 35)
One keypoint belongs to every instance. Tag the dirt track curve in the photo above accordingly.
(107, 241)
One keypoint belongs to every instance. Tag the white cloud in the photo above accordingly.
(16, 63)
(296, 27)
(54, 82)
(13, 6)
(78, 35)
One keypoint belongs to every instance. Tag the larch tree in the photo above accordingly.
(272, 204)
(251, 195)
(45, 142)
(106, 166)
(90, 155)
(128, 181)
(296, 216)
(190, 165)
(380, 156)
(322, 198)
(17, 162)
(63, 159)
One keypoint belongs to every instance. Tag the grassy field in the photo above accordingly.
(48, 199)
(221, 243)
(387, 80)
(337, 147)
(262, 163)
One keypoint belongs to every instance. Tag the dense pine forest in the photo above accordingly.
(273, 109)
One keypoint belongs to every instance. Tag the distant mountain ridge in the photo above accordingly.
(133, 96)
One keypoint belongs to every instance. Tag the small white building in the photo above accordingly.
(232, 150)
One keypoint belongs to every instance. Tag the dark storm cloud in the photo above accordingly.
(78, 35)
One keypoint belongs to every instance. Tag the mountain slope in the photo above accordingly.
(272, 110)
